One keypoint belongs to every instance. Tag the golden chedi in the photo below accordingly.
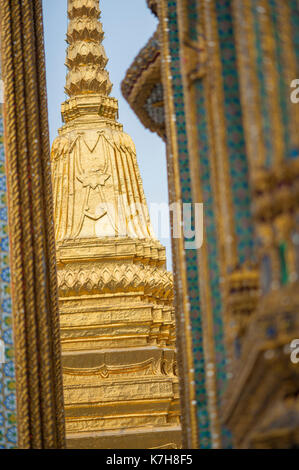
(117, 318)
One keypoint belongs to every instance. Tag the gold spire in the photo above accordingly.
(117, 319)
(86, 57)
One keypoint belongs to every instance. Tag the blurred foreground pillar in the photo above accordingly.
(33, 265)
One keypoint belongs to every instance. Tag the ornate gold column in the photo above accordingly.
(33, 265)
(117, 318)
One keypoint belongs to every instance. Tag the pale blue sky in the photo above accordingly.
(128, 25)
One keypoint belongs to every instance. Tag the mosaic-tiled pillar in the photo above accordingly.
(195, 413)
(8, 429)
(224, 174)
(267, 40)
(267, 34)
(268, 63)
(208, 156)
(230, 73)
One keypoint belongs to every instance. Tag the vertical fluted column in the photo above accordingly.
(33, 258)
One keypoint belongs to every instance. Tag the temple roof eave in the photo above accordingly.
(142, 87)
